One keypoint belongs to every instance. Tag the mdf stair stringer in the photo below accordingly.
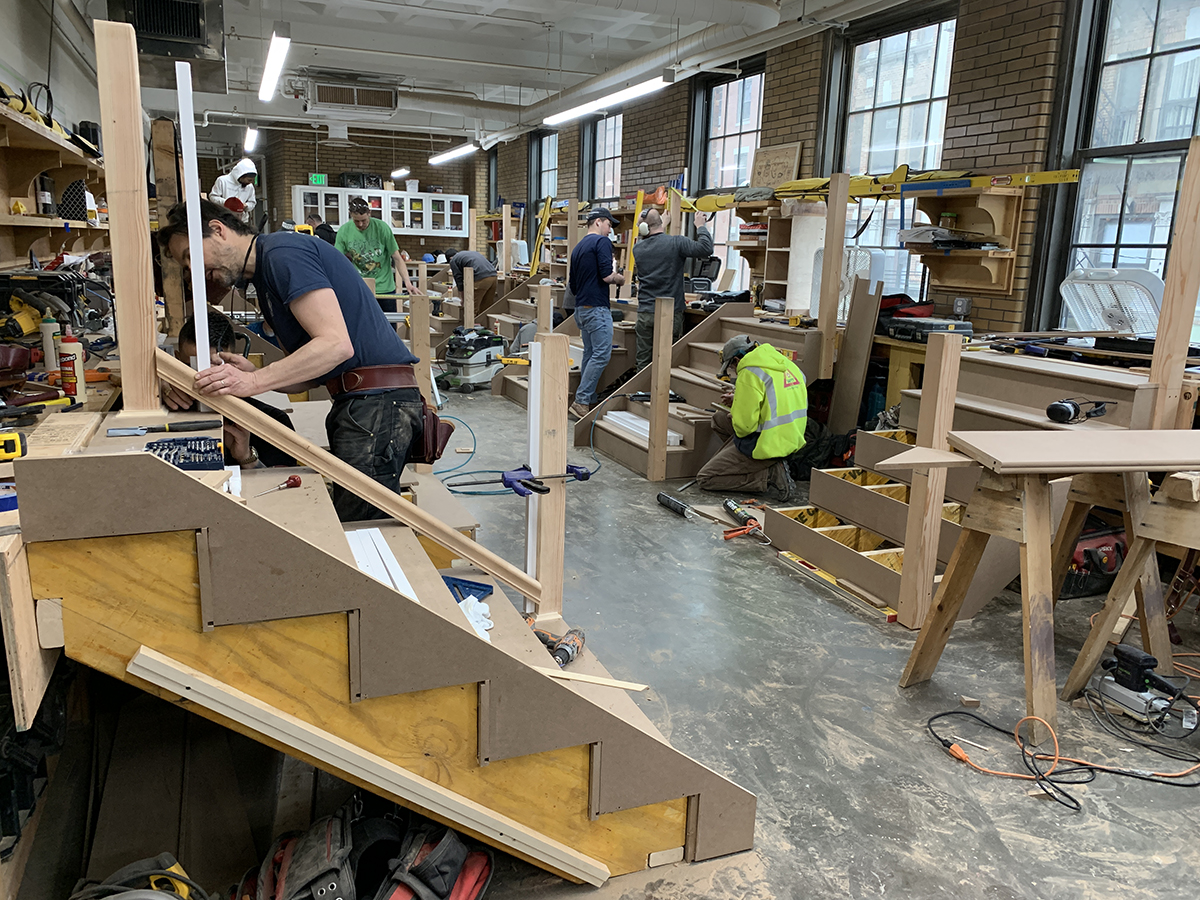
(401, 649)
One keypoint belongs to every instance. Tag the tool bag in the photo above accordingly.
(434, 438)
(348, 856)
(434, 864)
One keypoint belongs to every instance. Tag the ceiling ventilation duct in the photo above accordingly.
(177, 30)
(354, 101)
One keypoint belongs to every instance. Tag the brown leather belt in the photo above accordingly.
(372, 378)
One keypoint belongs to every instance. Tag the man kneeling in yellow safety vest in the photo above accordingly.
(765, 424)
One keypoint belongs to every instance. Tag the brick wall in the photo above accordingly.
(568, 162)
(209, 168)
(1002, 87)
(291, 155)
(512, 170)
(654, 139)
(791, 98)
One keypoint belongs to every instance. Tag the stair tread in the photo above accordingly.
(1015, 412)
(601, 425)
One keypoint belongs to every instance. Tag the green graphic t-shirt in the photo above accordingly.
(370, 251)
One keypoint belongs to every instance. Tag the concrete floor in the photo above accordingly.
(777, 681)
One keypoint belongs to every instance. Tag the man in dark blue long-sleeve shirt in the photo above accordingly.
(591, 274)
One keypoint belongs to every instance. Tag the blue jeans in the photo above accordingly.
(596, 328)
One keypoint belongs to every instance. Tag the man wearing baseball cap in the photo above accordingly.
(591, 274)
(765, 424)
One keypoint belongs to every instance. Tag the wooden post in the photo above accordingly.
(660, 388)
(472, 231)
(545, 308)
(1037, 612)
(831, 268)
(468, 297)
(418, 343)
(128, 209)
(925, 497)
(1179, 296)
(572, 232)
(166, 188)
(675, 210)
(505, 239)
(423, 277)
(552, 460)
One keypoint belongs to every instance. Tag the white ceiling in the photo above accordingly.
(457, 57)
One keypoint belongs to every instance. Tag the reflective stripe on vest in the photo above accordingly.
(769, 390)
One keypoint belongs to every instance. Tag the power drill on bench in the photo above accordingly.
(564, 648)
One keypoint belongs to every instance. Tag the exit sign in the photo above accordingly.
(318, 180)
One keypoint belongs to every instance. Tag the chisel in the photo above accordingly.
(197, 425)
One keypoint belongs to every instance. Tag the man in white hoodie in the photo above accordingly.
(237, 185)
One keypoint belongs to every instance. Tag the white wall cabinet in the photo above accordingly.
(427, 215)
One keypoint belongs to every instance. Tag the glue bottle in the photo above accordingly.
(51, 334)
(70, 365)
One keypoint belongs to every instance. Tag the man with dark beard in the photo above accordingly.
(333, 332)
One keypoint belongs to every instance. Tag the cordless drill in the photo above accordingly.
(564, 648)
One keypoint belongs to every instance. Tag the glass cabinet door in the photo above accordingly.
(416, 215)
(457, 222)
(309, 202)
(374, 201)
(437, 214)
(333, 209)
(398, 203)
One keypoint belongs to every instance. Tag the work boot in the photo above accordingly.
(579, 410)
(780, 484)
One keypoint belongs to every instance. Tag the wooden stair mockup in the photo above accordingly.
(695, 358)
(271, 629)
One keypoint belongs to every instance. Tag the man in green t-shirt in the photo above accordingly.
(371, 246)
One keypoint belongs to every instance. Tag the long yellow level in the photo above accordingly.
(898, 183)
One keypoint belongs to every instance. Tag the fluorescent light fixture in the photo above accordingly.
(401, 172)
(281, 39)
(620, 97)
(464, 150)
(251, 140)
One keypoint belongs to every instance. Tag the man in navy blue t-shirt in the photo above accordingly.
(591, 274)
(334, 333)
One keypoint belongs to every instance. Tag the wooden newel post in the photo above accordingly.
(128, 203)
(831, 267)
(660, 388)
(545, 309)
(468, 297)
(925, 497)
(552, 460)
(422, 277)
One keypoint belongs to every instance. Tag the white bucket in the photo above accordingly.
(412, 185)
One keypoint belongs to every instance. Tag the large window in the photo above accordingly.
(547, 167)
(606, 184)
(734, 119)
(895, 115)
(1146, 90)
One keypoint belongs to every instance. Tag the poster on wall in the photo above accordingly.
(775, 165)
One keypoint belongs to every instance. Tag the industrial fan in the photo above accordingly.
(866, 264)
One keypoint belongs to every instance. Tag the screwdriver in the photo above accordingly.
(292, 481)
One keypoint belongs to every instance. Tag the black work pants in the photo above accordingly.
(373, 434)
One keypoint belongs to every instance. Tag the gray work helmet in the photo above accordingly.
(735, 348)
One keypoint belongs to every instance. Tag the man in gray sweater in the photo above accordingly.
(659, 258)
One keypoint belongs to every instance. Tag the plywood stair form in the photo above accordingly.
(190, 595)
(694, 362)
(513, 381)
(1006, 392)
(853, 529)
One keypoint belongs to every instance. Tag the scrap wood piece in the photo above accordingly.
(922, 458)
(593, 679)
(181, 376)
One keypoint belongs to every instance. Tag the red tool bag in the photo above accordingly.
(349, 856)
(1097, 559)
(902, 306)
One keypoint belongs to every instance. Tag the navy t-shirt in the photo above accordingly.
(289, 265)
(591, 263)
